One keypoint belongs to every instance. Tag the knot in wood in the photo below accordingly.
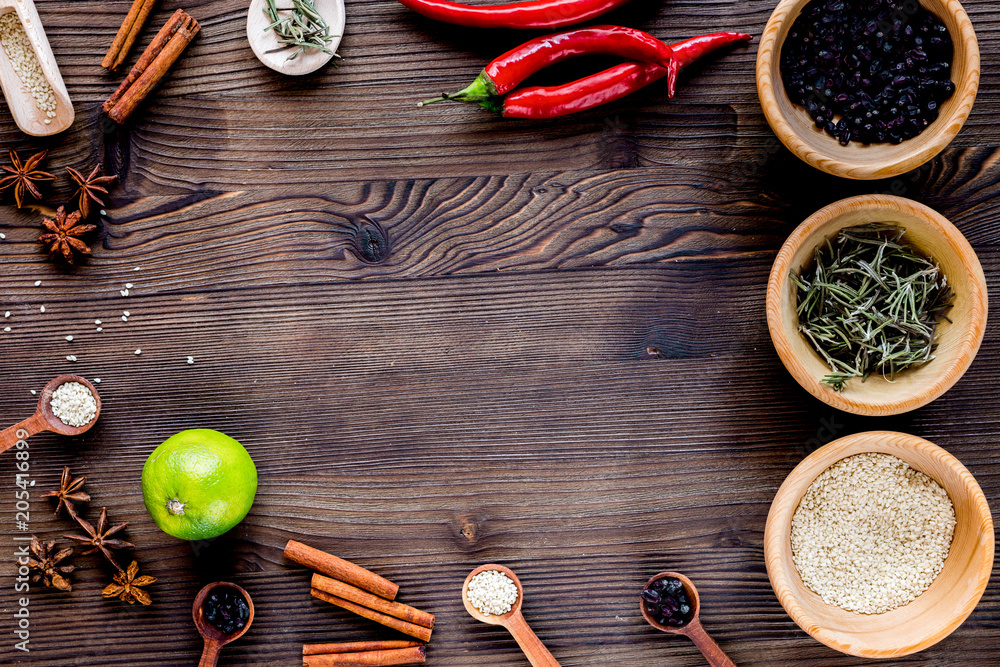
(371, 243)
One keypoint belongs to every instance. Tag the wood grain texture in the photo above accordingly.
(448, 340)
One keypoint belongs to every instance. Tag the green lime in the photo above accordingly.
(198, 484)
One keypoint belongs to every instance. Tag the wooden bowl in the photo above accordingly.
(933, 615)
(958, 340)
(796, 129)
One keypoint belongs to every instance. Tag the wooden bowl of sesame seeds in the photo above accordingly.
(936, 612)
(957, 338)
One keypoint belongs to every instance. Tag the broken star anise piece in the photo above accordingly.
(69, 489)
(89, 186)
(98, 537)
(126, 586)
(46, 564)
(24, 176)
(62, 235)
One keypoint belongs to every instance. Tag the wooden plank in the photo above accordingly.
(204, 129)
(443, 423)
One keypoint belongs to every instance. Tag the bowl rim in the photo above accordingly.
(970, 339)
(777, 532)
(965, 93)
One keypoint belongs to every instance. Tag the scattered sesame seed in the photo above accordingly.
(6, 329)
(69, 338)
(103, 212)
(34, 393)
(124, 292)
(100, 329)
(137, 268)
(128, 285)
(42, 309)
(138, 351)
(190, 360)
(71, 358)
(126, 313)
(7, 314)
(97, 322)
(97, 380)
(2, 237)
(37, 283)
(124, 319)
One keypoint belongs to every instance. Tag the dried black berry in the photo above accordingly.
(227, 611)
(856, 64)
(671, 606)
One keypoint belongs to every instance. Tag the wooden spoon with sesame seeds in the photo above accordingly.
(692, 629)
(532, 646)
(45, 420)
(25, 45)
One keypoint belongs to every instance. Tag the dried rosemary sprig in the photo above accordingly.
(870, 304)
(304, 28)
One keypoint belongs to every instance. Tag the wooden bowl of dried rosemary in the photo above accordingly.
(877, 305)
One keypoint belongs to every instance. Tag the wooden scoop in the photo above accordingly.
(45, 420)
(693, 629)
(263, 40)
(22, 105)
(532, 646)
(214, 638)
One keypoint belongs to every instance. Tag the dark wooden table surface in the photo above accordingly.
(448, 339)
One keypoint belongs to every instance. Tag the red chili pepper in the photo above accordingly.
(506, 72)
(610, 85)
(532, 14)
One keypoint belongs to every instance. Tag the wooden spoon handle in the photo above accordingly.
(716, 656)
(29, 427)
(210, 655)
(529, 642)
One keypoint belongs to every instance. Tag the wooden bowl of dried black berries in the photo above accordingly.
(957, 339)
(867, 89)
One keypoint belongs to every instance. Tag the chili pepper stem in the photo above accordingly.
(480, 89)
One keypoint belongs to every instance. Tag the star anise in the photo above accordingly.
(126, 586)
(69, 489)
(89, 186)
(46, 564)
(63, 233)
(98, 537)
(24, 176)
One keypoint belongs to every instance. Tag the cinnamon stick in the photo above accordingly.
(356, 595)
(405, 656)
(357, 647)
(340, 569)
(128, 33)
(420, 632)
(153, 65)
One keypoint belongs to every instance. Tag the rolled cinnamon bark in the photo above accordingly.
(405, 656)
(358, 596)
(128, 33)
(340, 569)
(357, 647)
(420, 632)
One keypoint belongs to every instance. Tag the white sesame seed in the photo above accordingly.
(74, 404)
(7, 329)
(7, 314)
(42, 309)
(100, 329)
(124, 292)
(128, 285)
(136, 268)
(71, 358)
(2, 237)
(69, 338)
(97, 322)
(97, 380)
(126, 313)
(190, 360)
(22, 59)
(138, 351)
(103, 212)
(37, 283)
(124, 319)
(492, 592)
(34, 393)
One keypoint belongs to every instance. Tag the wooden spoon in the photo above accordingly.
(263, 40)
(532, 646)
(214, 638)
(716, 656)
(45, 420)
(22, 105)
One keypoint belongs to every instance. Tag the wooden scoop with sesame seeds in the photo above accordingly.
(532, 646)
(45, 420)
(26, 48)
